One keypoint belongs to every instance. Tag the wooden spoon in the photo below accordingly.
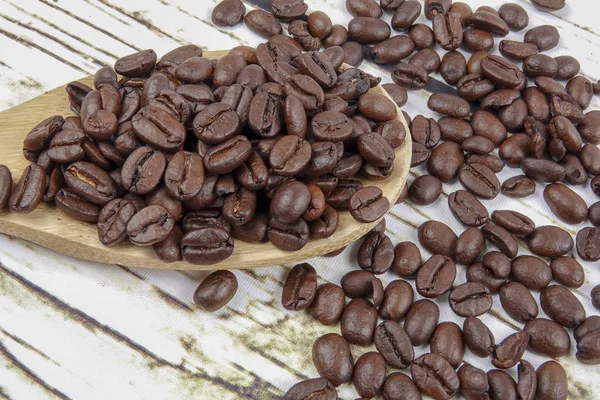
(49, 227)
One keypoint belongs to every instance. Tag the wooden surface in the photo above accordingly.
(72, 329)
(49, 227)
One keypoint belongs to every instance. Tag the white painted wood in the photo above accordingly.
(100, 331)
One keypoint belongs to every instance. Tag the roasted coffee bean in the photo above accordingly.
(437, 238)
(531, 271)
(420, 154)
(563, 104)
(358, 322)
(478, 338)
(394, 133)
(548, 337)
(501, 71)
(341, 194)
(565, 203)
(562, 306)
(518, 186)
(588, 348)
(143, 170)
(421, 320)
(40, 136)
(300, 287)
(228, 155)
(169, 250)
(479, 180)
(375, 150)
(353, 53)
(526, 386)
(369, 374)
(493, 162)
(288, 237)
(549, 5)
(368, 30)
(552, 380)
(397, 93)
(453, 67)
(568, 67)
(514, 222)
(436, 276)
(595, 185)
(470, 299)
(136, 65)
(449, 105)
(467, 208)
(368, 204)
(90, 182)
(469, 246)
(290, 202)
(425, 190)
(543, 170)
(489, 126)
(422, 36)
(514, 15)
(254, 231)
(549, 86)
(405, 15)
(290, 155)
(184, 175)
(473, 382)
(317, 388)
(392, 50)
(454, 129)
(567, 271)
(489, 22)
(517, 50)
(502, 385)
(206, 245)
(399, 386)
(407, 259)
(463, 10)
(362, 284)
(428, 59)
(66, 146)
(518, 302)
(550, 241)
(445, 161)
(492, 271)
(590, 325)
(262, 23)
(397, 300)
(228, 13)
(6, 184)
(408, 75)
(150, 225)
(216, 290)
(575, 171)
(425, 131)
(376, 253)
(29, 190)
(478, 145)
(589, 158)
(337, 37)
(447, 30)
(333, 359)
(435, 7)
(447, 342)
(473, 87)
(545, 37)
(75, 206)
(477, 39)
(76, 91)
(434, 376)
(328, 304)
(540, 65)
(502, 238)
(377, 107)
(508, 353)
(394, 344)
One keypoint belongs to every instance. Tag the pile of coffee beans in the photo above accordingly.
(186, 154)
(542, 129)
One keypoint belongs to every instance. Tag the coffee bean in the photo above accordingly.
(425, 131)
(436, 276)
(375, 150)
(543, 170)
(428, 59)
(545, 37)
(477, 39)
(518, 302)
(434, 376)
(469, 246)
(562, 306)
(473, 382)
(447, 342)
(206, 245)
(398, 385)
(300, 287)
(376, 253)
(29, 190)
(113, 219)
(549, 5)
(453, 67)
(143, 170)
(478, 338)
(342, 193)
(492, 272)
(228, 13)
(449, 105)
(358, 322)
(437, 238)
(514, 222)
(478, 145)
(473, 87)
(368, 30)
(393, 132)
(392, 50)
(407, 259)
(75, 206)
(540, 65)
(588, 348)
(501, 71)
(502, 385)
(531, 271)
(502, 238)
(405, 15)
(518, 186)
(397, 300)
(333, 359)
(563, 104)
(550, 241)
(479, 180)
(508, 353)
(447, 30)
(394, 344)
(362, 284)
(262, 23)
(467, 208)
(65, 146)
(368, 205)
(548, 337)
(489, 22)
(410, 76)
(425, 190)
(150, 225)
(328, 304)
(6, 184)
(369, 374)
(514, 15)
(317, 388)
(169, 250)
(216, 290)
(421, 320)
(565, 203)
(470, 299)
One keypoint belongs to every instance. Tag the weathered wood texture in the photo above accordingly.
(83, 330)
(49, 227)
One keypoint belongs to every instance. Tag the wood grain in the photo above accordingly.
(48, 227)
